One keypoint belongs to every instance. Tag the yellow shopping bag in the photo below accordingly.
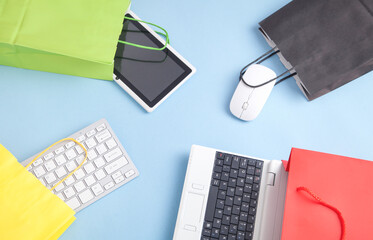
(28, 210)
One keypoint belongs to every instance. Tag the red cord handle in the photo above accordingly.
(321, 202)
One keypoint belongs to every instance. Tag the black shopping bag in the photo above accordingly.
(328, 42)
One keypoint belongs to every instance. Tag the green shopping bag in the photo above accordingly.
(75, 37)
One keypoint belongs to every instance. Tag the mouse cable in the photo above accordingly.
(261, 59)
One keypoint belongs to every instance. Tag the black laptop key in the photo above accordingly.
(215, 233)
(235, 162)
(243, 216)
(223, 237)
(222, 194)
(237, 200)
(216, 176)
(236, 210)
(234, 219)
(229, 201)
(232, 182)
(243, 163)
(256, 179)
(242, 173)
(223, 185)
(250, 219)
(227, 210)
(239, 191)
(230, 191)
(220, 204)
(250, 227)
(240, 182)
(245, 207)
(226, 168)
(215, 182)
(224, 176)
(253, 203)
(224, 230)
(218, 214)
(256, 187)
(258, 171)
(233, 173)
(205, 238)
(249, 179)
(250, 170)
(246, 197)
(233, 229)
(218, 169)
(259, 164)
(248, 236)
(252, 211)
(207, 225)
(232, 237)
(252, 162)
(254, 195)
(227, 160)
(242, 226)
(206, 232)
(226, 220)
(210, 208)
(248, 188)
(219, 155)
(240, 235)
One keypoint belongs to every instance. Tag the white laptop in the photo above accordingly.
(230, 196)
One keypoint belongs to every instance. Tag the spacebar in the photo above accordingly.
(210, 209)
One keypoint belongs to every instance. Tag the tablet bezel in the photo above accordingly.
(149, 106)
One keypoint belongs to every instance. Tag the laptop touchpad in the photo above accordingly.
(193, 209)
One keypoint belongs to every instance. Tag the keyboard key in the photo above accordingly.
(258, 171)
(259, 164)
(235, 162)
(227, 160)
(254, 195)
(70, 180)
(104, 135)
(242, 226)
(119, 179)
(224, 229)
(61, 197)
(86, 196)
(59, 150)
(50, 166)
(101, 127)
(248, 236)
(89, 168)
(37, 162)
(111, 143)
(69, 192)
(79, 149)
(109, 185)
(69, 144)
(215, 233)
(243, 163)
(79, 174)
(117, 164)
(97, 189)
(218, 214)
(240, 235)
(91, 133)
(100, 174)
(48, 156)
(60, 187)
(90, 180)
(113, 155)
(61, 172)
(70, 154)
(206, 233)
(233, 229)
(101, 149)
(39, 171)
(60, 160)
(92, 154)
(50, 177)
(73, 203)
(80, 138)
(79, 159)
(90, 143)
(99, 162)
(116, 175)
(252, 211)
(252, 162)
(79, 186)
(70, 166)
(129, 173)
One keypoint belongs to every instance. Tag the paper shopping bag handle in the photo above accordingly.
(65, 139)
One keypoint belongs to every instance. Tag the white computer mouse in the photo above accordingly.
(247, 102)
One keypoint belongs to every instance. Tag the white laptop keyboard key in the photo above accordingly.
(129, 173)
(39, 171)
(97, 189)
(103, 136)
(101, 127)
(79, 159)
(86, 196)
(61, 196)
(114, 166)
(61, 172)
(80, 138)
(89, 168)
(99, 162)
(70, 166)
(60, 187)
(92, 154)
(70, 154)
(90, 143)
(109, 185)
(79, 174)
(113, 155)
(48, 156)
(90, 180)
(73, 203)
(119, 179)
(117, 174)
(79, 149)
(60, 160)
(69, 144)
(69, 192)
(37, 162)
(59, 150)
(111, 143)
(79, 186)
(101, 149)
(91, 133)
(42, 182)
(70, 180)
(100, 174)
(50, 166)
(29, 168)
(50, 177)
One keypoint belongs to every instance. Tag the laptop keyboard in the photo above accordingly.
(107, 167)
(232, 201)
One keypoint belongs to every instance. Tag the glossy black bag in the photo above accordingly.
(328, 42)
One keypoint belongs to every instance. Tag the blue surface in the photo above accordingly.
(218, 38)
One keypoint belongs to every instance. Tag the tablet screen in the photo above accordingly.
(149, 74)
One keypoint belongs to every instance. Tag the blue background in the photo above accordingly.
(218, 38)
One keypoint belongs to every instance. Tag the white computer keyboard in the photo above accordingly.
(107, 167)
